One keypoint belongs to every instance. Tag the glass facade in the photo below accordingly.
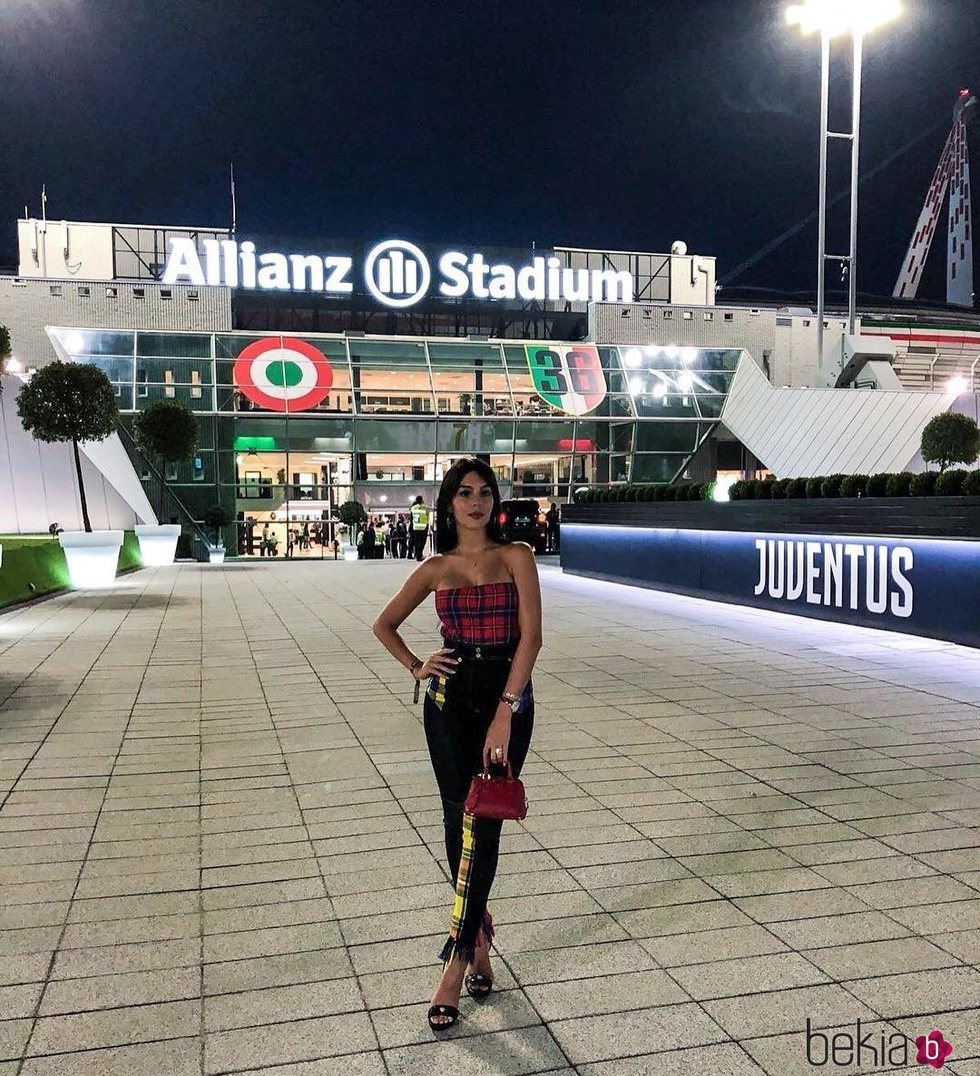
(292, 426)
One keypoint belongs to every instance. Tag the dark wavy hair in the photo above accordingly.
(446, 535)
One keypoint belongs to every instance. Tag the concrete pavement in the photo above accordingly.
(221, 846)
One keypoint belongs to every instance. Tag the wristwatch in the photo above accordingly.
(514, 700)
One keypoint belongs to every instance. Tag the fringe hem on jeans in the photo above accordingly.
(456, 948)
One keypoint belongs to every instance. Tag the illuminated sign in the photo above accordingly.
(920, 586)
(544, 278)
(396, 273)
(283, 374)
(237, 265)
(568, 376)
(840, 575)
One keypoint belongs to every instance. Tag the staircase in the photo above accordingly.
(173, 507)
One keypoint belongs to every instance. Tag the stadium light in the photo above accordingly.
(832, 18)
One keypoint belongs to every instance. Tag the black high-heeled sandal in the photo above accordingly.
(479, 985)
(443, 1010)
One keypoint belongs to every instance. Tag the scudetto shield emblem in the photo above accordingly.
(568, 376)
(283, 374)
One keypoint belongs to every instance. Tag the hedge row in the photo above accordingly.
(663, 491)
(903, 484)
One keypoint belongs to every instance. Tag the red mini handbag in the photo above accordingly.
(496, 797)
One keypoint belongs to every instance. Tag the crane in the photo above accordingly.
(952, 173)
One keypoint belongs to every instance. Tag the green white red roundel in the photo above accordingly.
(283, 374)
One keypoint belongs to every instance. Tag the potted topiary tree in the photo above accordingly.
(950, 438)
(4, 355)
(4, 344)
(166, 432)
(352, 515)
(216, 517)
(66, 402)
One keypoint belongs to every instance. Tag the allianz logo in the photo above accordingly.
(864, 576)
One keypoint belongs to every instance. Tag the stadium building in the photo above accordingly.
(322, 372)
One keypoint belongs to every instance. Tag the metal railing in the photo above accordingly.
(157, 486)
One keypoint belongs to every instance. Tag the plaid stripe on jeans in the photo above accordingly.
(455, 731)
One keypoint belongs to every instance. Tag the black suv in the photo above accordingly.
(523, 521)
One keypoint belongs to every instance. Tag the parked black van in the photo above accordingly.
(522, 520)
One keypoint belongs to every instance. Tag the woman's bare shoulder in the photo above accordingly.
(433, 569)
(517, 555)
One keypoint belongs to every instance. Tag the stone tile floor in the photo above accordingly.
(221, 849)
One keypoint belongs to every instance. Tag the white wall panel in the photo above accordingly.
(665, 325)
(797, 433)
(64, 249)
(111, 461)
(38, 485)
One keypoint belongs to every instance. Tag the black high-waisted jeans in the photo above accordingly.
(457, 713)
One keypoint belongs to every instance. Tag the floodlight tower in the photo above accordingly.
(832, 18)
(953, 172)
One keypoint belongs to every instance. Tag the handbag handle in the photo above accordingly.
(486, 773)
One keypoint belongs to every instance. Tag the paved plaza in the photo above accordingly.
(221, 846)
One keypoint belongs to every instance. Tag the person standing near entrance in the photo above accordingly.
(379, 540)
(264, 544)
(420, 527)
(552, 520)
(479, 703)
(399, 539)
(367, 541)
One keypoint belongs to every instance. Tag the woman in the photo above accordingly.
(366, 548)
(479, 708)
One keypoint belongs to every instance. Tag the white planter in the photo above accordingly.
(92, 557)
(158, 544)
(216, 554)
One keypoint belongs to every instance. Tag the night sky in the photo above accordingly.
(609, 125)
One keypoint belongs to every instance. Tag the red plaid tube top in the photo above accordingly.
(484, 614)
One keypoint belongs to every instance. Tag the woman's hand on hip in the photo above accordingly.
(498, 738)
(439, 664)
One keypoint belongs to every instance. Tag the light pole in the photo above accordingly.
(831, 18)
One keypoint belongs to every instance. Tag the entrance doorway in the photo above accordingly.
(286, 502)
